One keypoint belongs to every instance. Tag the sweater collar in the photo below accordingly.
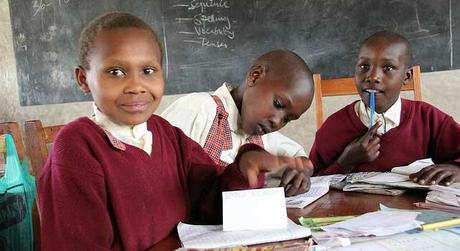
(390, 118)
(138, 135)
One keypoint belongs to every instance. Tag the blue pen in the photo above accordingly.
(371, 106)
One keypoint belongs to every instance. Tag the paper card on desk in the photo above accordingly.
(254, 209)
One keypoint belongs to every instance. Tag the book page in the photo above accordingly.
(302, 200)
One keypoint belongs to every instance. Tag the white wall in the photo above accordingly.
(438, 88)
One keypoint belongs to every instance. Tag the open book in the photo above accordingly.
(319, 187)
(399, 176)
(213, 236)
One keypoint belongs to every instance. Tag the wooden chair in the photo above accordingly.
(38, 140)
(346, 86)
(13, 129)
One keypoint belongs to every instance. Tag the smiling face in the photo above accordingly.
(271, 102)
(125, 74)
(382, 66)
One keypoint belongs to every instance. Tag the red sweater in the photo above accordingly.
(424, 132)
(93, 196)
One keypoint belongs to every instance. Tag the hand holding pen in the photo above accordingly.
(361, 150)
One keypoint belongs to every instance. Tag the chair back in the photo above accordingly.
(13, 129)
(346, 86)
(39, 139)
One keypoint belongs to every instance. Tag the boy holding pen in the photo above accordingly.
(403, 130)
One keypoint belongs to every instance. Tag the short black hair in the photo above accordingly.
(109, 21)
(282, 60)
(391, 37)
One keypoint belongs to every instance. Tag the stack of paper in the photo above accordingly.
(443, 195)
(213, 236)
(380, 223)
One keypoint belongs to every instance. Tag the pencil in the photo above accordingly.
(371, 106)
(441, 224)
(437, 207)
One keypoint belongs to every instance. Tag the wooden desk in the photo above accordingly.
(338, 203)
(334, 203)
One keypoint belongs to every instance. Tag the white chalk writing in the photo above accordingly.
(210, 25)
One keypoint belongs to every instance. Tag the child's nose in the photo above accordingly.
(374, 76)
(135, 85)
(276, 122)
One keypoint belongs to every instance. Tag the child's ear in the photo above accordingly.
(408, 75)
(80, 75)
(254, 74)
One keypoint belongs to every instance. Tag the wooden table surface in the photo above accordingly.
(334, 203)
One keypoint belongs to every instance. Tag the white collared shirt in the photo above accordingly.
(194, 114)
(389, 119)
(137, 135)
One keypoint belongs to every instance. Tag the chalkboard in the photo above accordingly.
(207, 42)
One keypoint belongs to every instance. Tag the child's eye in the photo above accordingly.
(278, 104)
(388, 68)
(364, 67)
(116, 72)
(149, 71)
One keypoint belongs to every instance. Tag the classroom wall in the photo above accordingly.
(438, 88)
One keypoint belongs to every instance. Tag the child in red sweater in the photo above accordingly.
(124, 178)
(404, 130)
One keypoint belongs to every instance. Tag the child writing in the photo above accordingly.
(277, 88)
(124, 178)
(404, 130)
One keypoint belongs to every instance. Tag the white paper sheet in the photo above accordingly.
(412, 167)
(446, 240)
(254, 209)
(213, 236)
(378, 223)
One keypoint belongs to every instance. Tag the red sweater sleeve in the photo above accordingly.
(73, 199)
(319, 166)
(206, 181)
(447, 142)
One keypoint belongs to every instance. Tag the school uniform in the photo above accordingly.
(98, 192)
(213, 120)
(420, 131)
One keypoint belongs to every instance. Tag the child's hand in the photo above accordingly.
(361, 150)
(445, 174)
(297, 181)
(252, 163)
